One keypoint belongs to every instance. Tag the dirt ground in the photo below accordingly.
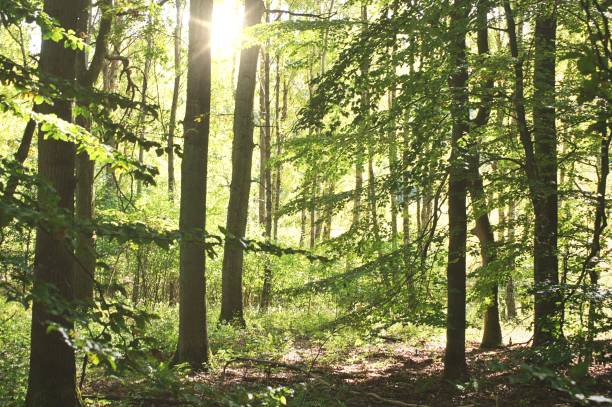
(388, 374)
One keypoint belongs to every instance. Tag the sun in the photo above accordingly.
(226, 28)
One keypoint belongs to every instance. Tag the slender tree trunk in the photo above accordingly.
(600, 224)
(242, 156)
(312, 207)
(492, 335)
(454, 361)
(279, 117)
(193, 338)
(510, 300)
(143, 99)
(358, 189)
(394, 175)
(20, 156)
(175, 96)
(329, 210)
(267, 279)
(407, 132)
(364, 106)
(87, 75)
(109, 84)
(52, 373)
(302, 225)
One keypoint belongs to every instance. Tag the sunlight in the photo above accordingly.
(226, 28)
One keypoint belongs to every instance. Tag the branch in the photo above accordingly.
(89, 77)
(297, 14)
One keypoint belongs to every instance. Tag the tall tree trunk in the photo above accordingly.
(547, 326)
(267, 170)
(87, 75)
(110, 75)
(193, 338)
(175, 96)
(600, 224)
(280, 116)
(454, 360)
(364, 106)
(52, 373)
(540, 166)
(242, 157)
(393, 170)
(492, 335)
(143, 98)
(312, 207)
(407, 133)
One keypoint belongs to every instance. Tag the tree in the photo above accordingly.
(52, 375)
(454, 361)
(87, 75)
(175, 95)
(242, 157)
(540, 149)
(492, 335)
(193, 339)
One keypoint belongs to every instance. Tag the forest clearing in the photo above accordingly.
(305, 203)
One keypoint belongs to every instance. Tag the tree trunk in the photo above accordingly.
(540, 166)
(175, 96)
(510, 300)
(193, 339)
(454, 361)
(143, 98)
(547, 326)
(357, 193)
(280, 116)
(312, 207)
(87, 75)
(394, 175)
(20, 156)
(242, 157)
(492, 335)
(52, 373)
(600, 224)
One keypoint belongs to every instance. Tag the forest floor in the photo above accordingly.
(385, 374)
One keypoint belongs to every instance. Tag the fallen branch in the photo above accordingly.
(387, 401)
(112, 397)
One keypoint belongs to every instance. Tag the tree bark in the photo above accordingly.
(454, 359)
(510, 299)
(87, 75)
(540, 166)
(193, 339)
(242, 156)
(492, 335)
(148, 60)
(547, 326)
(52, 373)
(175, 96)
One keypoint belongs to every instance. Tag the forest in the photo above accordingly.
(305, 203)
